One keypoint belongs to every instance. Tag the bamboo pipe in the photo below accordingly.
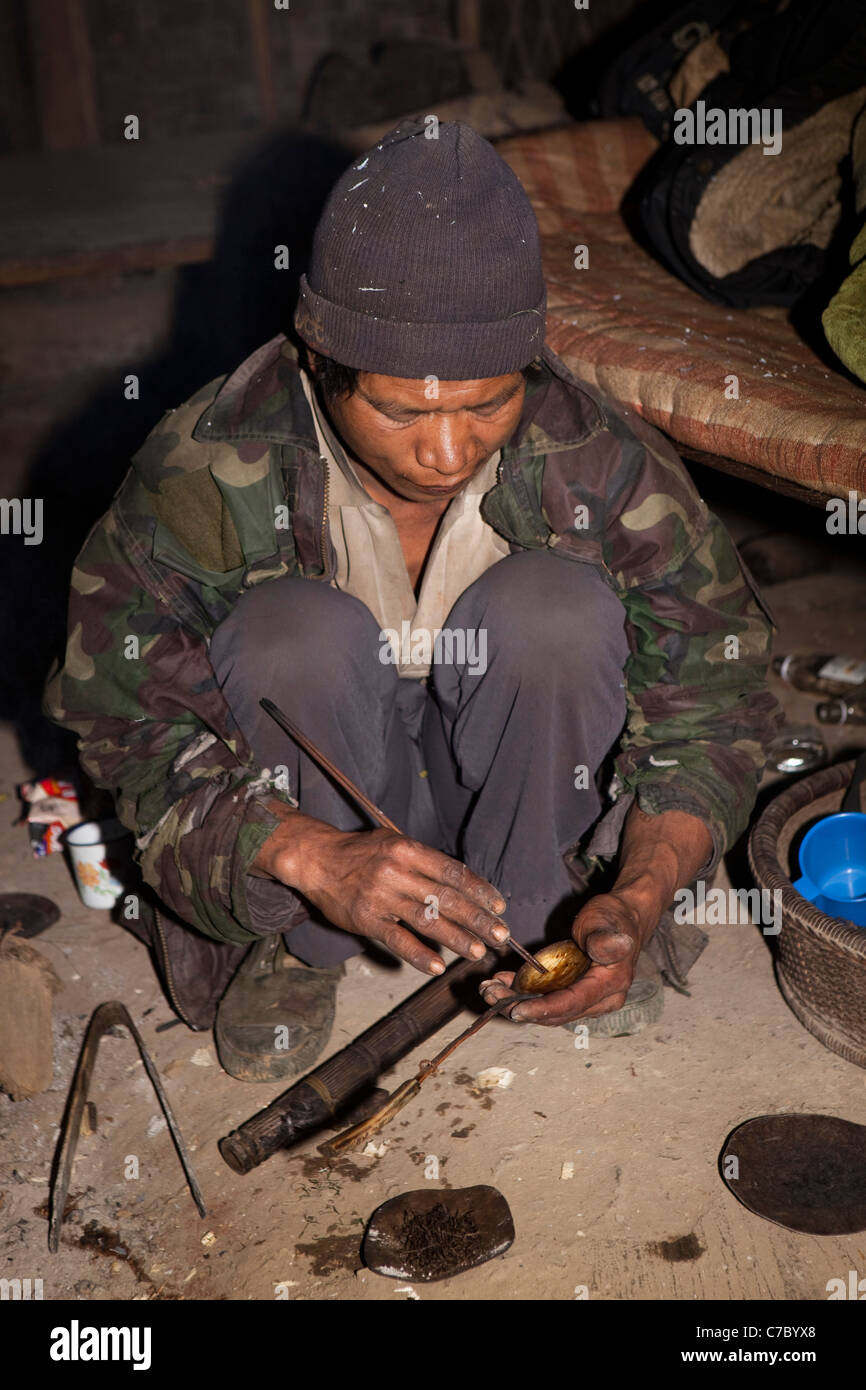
(338, 1083)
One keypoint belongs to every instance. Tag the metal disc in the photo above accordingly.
(28, 911)
(806, 1172)
(426, 1235)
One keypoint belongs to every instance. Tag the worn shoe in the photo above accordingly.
(644, 1004)
(276, 1016)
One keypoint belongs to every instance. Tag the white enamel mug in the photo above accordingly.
(98, 854)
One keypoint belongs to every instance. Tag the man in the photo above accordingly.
(466, 576)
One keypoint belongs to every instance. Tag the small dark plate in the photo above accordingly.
(806, 1172)
(28, 911)
(427, 1234)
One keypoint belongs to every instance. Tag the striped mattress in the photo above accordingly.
(628, 326)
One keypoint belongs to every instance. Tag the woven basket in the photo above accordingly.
(821, 960)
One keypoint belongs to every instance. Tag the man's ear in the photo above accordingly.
(312, 359)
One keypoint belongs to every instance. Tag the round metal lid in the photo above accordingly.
(806, 1172)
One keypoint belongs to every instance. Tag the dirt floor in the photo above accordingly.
(642, 1119)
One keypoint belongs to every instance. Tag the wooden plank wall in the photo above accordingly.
(62, 66)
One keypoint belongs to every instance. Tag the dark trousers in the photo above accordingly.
(485, 764)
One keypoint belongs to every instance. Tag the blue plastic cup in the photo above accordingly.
(833, 865)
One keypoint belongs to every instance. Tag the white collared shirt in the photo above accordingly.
(370, 561)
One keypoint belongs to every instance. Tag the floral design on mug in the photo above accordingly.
(96, 876)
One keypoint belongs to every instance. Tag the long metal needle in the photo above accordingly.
(369, 806)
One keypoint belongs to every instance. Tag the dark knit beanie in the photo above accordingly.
(426, 261)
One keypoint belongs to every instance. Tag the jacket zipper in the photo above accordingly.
(325, 515)
(172, 992)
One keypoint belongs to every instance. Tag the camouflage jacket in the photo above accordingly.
(228, 491)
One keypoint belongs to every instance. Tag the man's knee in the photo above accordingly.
(541, 612)
(297, 626)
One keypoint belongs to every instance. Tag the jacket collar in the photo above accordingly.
(264, 399)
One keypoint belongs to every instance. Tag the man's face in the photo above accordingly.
(422, 446)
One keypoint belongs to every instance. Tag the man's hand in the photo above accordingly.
(607, 930)
(369, 881)
(659, 854)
